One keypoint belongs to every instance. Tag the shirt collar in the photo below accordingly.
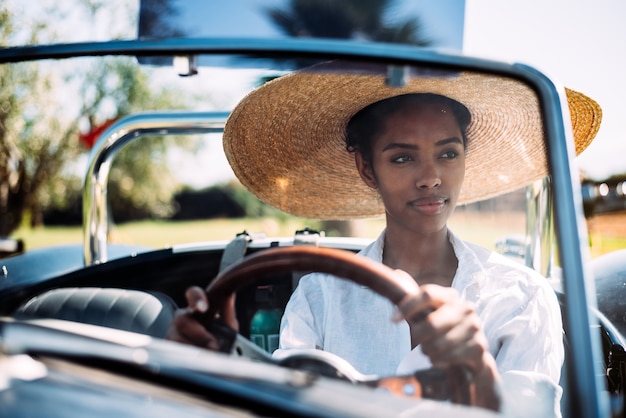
(374, 251)
(469, 274)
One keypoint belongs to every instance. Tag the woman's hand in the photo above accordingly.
(449, 332)
(447, 328)
(186, 328)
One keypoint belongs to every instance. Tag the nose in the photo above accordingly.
(428, 177)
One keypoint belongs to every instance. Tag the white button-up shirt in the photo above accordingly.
(518, 309)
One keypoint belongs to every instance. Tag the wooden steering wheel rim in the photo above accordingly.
(341, 263)
(456, 384)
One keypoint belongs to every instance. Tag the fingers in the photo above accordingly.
(429, 297)
(446, 327)
(196, 299)
(186, 328)
(453, 320)
(452, 335)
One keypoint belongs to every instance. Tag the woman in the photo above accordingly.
(413, 148)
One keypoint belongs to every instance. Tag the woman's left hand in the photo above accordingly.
(449, 332)
(447, 327)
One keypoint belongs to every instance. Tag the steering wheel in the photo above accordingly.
(452, 384)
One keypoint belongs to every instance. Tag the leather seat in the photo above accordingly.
(147, 313)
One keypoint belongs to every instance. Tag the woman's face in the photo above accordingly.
(417, 166)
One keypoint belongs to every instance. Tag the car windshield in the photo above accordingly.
(175, 185)
(180, 156)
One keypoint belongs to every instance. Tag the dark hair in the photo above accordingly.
(368, 122)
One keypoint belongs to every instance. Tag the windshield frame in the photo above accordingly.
(584, 375)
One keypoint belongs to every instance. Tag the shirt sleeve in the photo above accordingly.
(301, 323)
(532, 340)
(530, 357)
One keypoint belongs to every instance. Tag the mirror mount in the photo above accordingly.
(185, 65)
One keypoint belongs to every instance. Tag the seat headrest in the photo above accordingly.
(143, 312)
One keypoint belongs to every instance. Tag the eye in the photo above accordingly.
(399, 159)
(450, 154)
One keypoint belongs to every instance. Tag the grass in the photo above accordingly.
(159, 234)
(605, 244)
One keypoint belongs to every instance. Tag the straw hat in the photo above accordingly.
(286, 140)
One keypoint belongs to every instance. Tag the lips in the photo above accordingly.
(429, 205)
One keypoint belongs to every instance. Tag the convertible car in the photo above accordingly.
(82, 327)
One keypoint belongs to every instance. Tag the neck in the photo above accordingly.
(428, 258)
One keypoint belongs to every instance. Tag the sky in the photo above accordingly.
(577, 42)
(580, 43)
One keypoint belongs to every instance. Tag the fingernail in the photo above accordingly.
(202, 306)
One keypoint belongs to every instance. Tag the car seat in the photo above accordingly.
(143, 312)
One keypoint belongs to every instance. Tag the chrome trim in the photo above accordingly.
(342, 243)
(588, 395)
(539, 227)
(130, 128)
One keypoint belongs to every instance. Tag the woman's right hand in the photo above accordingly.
(186, 328)
(449, 332)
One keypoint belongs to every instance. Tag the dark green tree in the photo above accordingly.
(12, 187)
(44, 107)
(32, 145)
(347, 19)
(155, 19)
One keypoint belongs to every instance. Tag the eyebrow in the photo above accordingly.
(441, 142)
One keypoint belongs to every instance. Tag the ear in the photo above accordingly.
(365, 170)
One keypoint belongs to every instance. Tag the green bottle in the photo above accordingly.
(265, 324)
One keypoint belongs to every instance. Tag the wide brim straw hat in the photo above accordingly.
(285, 141)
